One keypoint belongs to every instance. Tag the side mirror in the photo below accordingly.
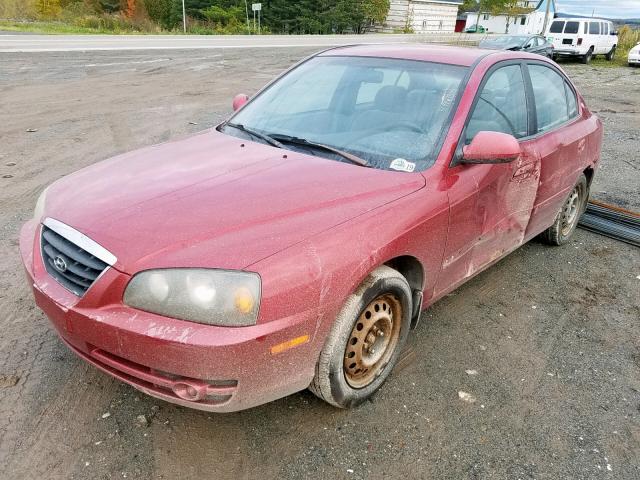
(491, 147)
(239, 100)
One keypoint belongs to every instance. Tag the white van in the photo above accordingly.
(583, 37)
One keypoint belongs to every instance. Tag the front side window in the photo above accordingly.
(554, 99)
(501, 105)
(378, 109)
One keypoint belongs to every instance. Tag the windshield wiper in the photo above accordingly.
(256, 134)
(306, 143)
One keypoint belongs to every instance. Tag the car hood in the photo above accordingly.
(212, 200)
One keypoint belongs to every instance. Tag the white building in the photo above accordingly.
(420, 16)
(521, 24)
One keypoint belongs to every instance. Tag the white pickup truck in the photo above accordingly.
(583, 38)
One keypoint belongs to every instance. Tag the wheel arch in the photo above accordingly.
(414, 273)
(589, 172)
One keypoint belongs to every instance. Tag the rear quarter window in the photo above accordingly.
(594, 28)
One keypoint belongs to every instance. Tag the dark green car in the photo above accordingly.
(476, 29)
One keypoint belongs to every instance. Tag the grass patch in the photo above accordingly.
(59, 28)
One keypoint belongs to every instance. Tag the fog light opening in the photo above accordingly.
(192, 393)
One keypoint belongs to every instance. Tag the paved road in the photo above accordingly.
(65, 43)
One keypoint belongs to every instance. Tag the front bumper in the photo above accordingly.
(206, 367)
(634, 59)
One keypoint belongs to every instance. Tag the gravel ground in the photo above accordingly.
(546, 341)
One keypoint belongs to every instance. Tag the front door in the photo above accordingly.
(491, 204)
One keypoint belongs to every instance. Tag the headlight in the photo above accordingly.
(38, 211)
(214, 297)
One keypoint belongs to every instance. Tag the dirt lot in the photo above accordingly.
(553, 333)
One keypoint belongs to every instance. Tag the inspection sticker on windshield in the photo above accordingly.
(402, 165)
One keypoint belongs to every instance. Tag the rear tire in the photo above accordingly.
(356, 358)
(586, 59)
(611, 55)
(567, 220)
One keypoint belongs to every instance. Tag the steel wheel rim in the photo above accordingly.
(372, 341)
(570, 212)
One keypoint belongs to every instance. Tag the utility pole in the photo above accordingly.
(184, 18)
(478, 15)
(246, 11)
(546, 17)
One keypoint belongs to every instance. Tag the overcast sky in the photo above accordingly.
(604, 8)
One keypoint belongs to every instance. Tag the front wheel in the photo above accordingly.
(365, 341)
(567, 220)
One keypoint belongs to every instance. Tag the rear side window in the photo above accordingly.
(586, 27)
(554, 99)
(594, 28)
(501, 106)
(572, 27)
(556, 27)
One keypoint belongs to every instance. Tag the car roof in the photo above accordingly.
(581, 19)
(463, 56)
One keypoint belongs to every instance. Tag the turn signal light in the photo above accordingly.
(284, 346)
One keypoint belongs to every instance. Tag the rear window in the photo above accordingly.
(556, 27)
(572, 27)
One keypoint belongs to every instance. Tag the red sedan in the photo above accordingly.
(295, 245)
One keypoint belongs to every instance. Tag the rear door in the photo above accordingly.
(565, 34)
(559, 139)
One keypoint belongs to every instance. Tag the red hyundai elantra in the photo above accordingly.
(295, 245)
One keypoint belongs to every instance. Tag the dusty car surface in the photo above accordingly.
(294, 245)
(527, 43)
(633, 59)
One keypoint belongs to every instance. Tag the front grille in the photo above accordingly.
(73, 267)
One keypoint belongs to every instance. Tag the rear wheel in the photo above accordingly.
(612, 54)
(365, 341)
(567, 220)
(586, 59)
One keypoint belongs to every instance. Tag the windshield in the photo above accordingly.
(390, 113)
(508, 40)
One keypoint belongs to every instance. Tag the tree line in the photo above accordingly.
(219, 16)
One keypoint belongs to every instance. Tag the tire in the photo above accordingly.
(347, 372)
(586, 59)
(612, 54)
(567, 219)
